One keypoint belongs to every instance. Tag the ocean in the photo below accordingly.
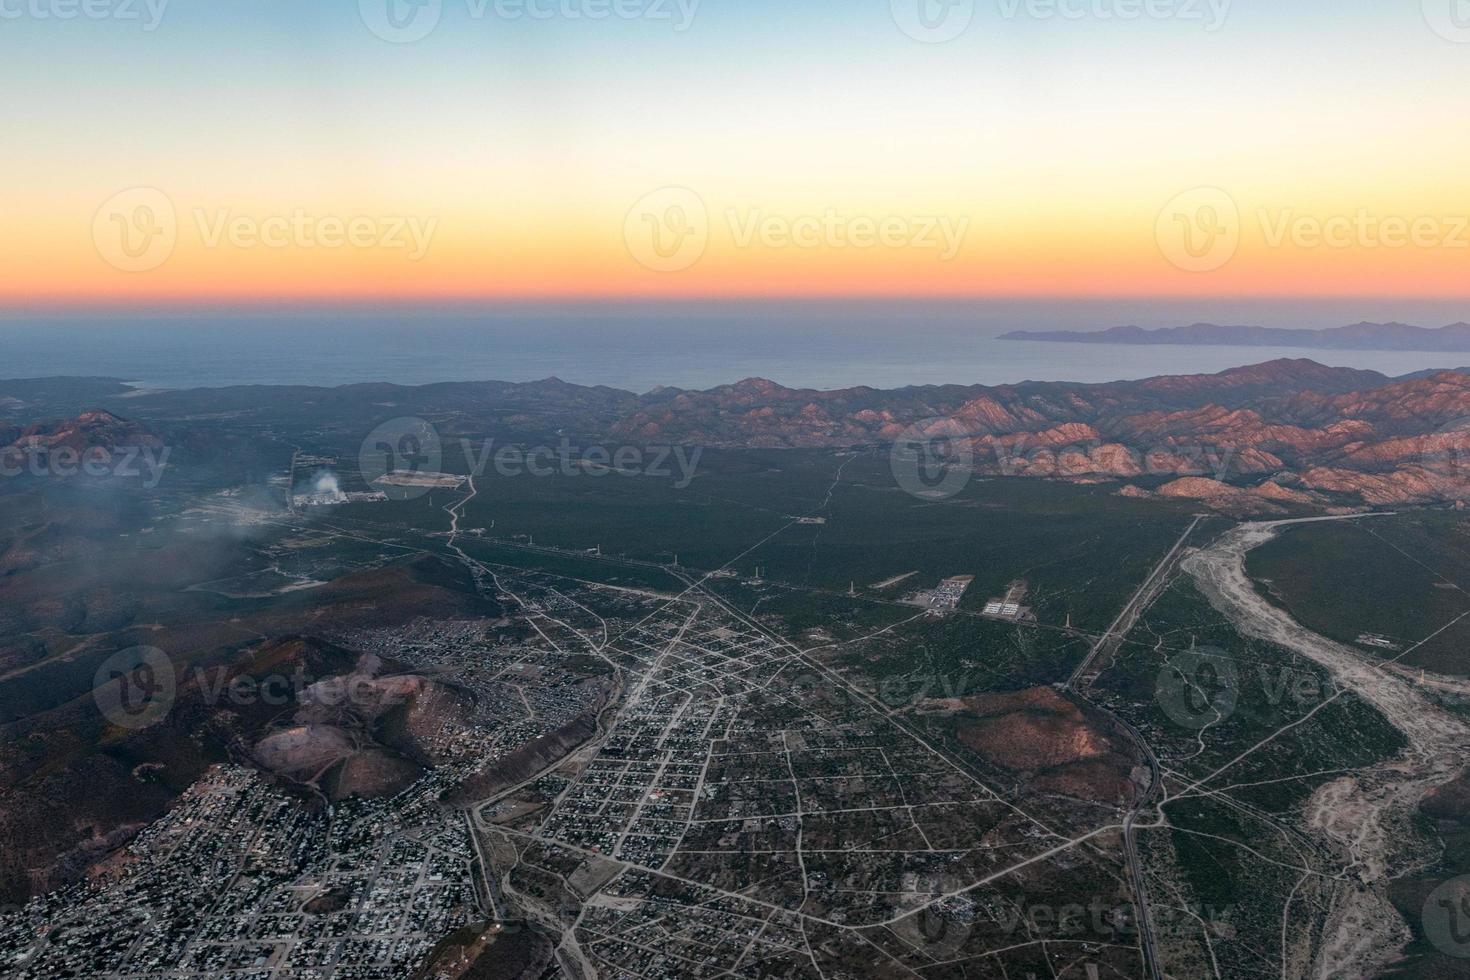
(885, 344)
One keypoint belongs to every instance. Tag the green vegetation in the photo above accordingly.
(1082, 548)
(1272, 692)
(1400, 577)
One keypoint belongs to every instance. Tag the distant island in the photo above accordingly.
(1359, 336)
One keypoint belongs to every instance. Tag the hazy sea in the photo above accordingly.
(884, 344)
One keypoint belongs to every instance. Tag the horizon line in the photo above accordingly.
(552, 378)
(288, 305)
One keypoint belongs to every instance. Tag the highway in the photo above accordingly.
(1109, 642)
(1102, 651)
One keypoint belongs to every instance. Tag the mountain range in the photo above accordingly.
(1358, 336)
(1280, 433)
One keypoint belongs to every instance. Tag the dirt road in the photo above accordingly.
(1367, 817)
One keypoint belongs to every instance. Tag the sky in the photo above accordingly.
(240, 151)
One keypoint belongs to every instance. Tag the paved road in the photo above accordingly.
(1081, 679)
(1102, 651)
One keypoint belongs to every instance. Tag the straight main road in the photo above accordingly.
(1107, 644)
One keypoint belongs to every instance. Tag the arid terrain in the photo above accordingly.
(511, 680)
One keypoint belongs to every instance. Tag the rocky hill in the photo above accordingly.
(1337, 432)
(1335, 435)
(95, 431)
